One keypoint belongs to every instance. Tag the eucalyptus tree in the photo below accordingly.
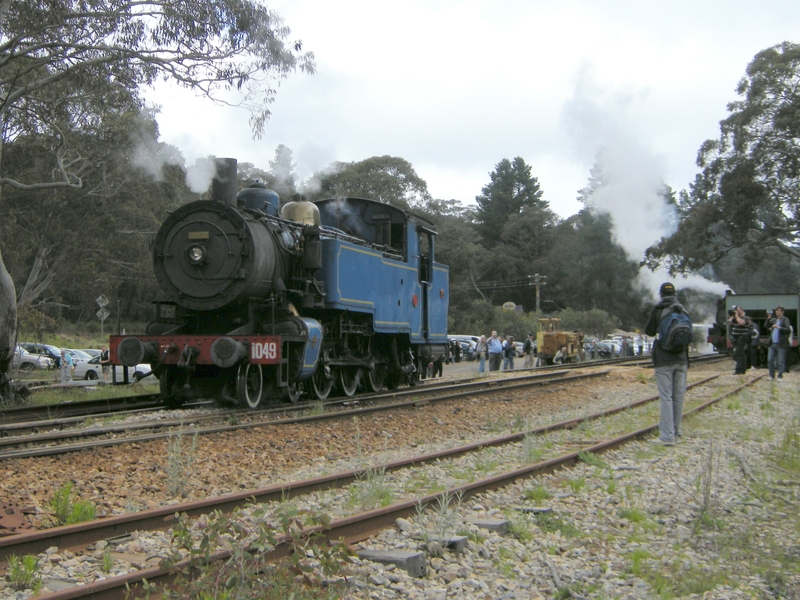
(388, 179)
(748, 193)
(66, 63)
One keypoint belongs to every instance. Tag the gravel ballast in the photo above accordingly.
(696, 512)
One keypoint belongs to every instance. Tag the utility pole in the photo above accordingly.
(538, 281)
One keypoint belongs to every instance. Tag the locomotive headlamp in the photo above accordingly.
(196, 254)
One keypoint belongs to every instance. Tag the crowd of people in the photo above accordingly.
(498, 353)
(751, 350)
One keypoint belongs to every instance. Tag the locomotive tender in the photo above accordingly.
(264, 302)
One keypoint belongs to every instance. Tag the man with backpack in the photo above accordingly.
(671, 322)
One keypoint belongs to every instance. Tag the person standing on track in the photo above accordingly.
(670, 370)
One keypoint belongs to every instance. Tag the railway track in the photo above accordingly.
(27, 419)
(56, 442)
(76, 409)
(24, 440)
(353, 528)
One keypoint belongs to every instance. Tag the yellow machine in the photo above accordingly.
(550, 340)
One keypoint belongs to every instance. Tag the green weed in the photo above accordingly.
(23, 573)
(370, 490)
(312, 569)
(180, 463)
(66, 510)
(590, 458)
(537, 494)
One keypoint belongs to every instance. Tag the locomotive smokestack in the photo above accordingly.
(223, 186)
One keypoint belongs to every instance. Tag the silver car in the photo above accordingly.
(25, 361)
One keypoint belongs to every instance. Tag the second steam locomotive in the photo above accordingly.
(264, 302)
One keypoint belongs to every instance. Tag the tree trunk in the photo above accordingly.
(8, 319)
(8, 328)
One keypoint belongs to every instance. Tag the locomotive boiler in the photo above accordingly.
(264, 302)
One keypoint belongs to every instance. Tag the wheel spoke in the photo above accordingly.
(322, 382)
(376, 378)
(250, 385)
(349, 378)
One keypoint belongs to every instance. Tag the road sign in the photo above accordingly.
(102, 301)
(102, 314)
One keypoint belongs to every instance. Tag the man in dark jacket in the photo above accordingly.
(741, 331)
(779, 328)
(670, 370)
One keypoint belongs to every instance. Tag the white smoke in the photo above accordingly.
(151, 155)
(631, 176)
(199, 174)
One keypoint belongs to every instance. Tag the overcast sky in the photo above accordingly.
(456, 86)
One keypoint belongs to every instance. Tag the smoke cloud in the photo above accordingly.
(151, 155)
(629, 181)
(199, 175)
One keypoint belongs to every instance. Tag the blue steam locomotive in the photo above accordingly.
(265, 302)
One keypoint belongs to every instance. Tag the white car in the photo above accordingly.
(78, 356)
(92, 369)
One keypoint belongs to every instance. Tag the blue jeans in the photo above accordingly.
(776, 358)
(671, 382)
(482, 363)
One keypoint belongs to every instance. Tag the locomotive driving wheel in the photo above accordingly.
(250, 385)
(376, 377)
(349, 378)
(321, 382)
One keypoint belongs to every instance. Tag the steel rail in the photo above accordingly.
(465, 390)
(72, 408)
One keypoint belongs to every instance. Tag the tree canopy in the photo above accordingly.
(511, 189)
(66, 66)
(388, 179)
(748, 193)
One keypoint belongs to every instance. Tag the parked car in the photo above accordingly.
(518, 349)
(44, 349)
(25, 361)
(468, 349)
(78, 356)
(91, 352)
(92, 369)
(608, 349)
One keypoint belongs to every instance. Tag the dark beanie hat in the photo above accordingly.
(667, 289)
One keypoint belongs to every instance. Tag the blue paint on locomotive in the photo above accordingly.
(312, 348)
(395, 278)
